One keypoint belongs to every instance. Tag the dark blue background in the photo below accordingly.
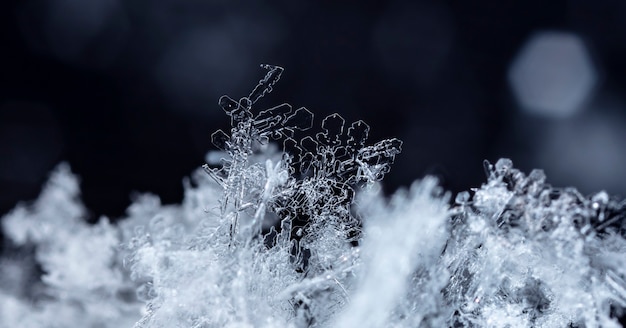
(126, 91)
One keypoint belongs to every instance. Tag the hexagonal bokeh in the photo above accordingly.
(553, 75)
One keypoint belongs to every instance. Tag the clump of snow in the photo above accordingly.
(83, 283)
(301, 237)
(526, 254)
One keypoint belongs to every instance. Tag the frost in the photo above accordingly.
(285, 227)
(522, 249)
(397, 281)
(83, 283)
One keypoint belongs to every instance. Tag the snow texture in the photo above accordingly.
(301, 237)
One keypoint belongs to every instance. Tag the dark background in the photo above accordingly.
(126, 90)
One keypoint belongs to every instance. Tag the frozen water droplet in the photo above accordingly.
(462, 198)
(228, 104)
(601, 198)
(503, 166)
(599, 203)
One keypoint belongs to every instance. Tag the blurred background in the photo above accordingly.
(126, 90)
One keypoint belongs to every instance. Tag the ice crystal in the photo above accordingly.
(523, 253)
(329, 164)
(83, 282)
(284, 229)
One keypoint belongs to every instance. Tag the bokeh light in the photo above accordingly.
(553, 75)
